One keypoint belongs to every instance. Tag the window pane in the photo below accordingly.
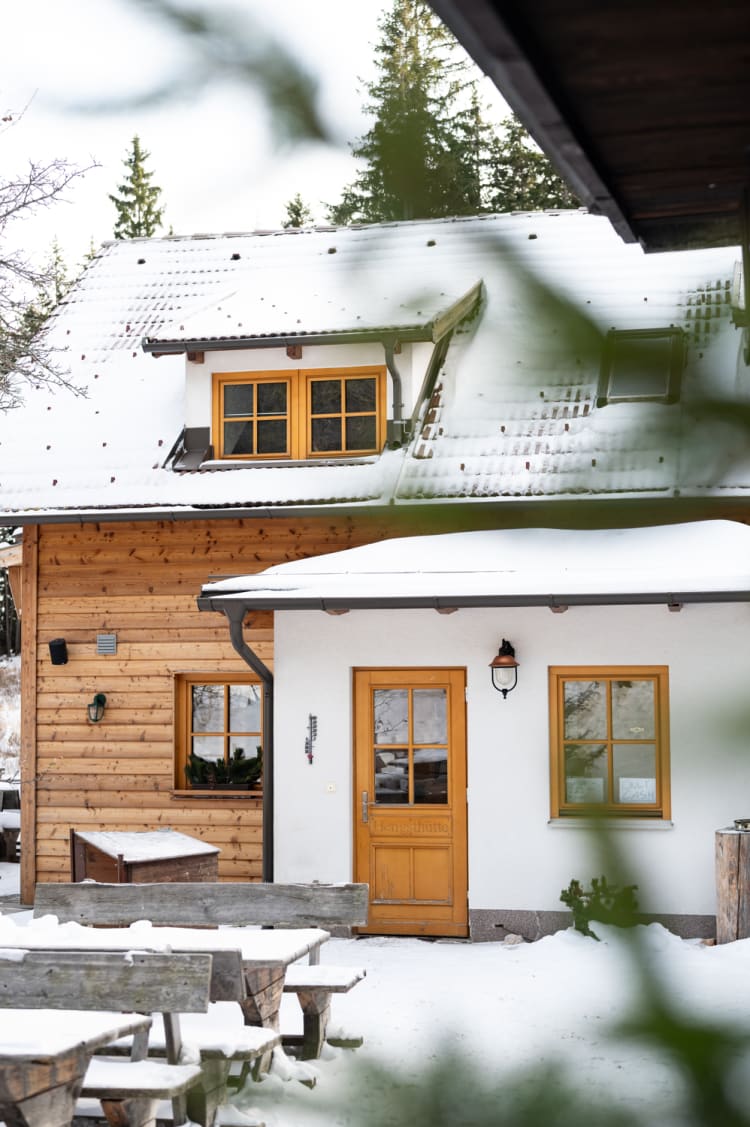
(238, 399)
(430, 716)
(391, 775)
(207, 704)
(244, 708)
(633, 710)
(272, 436)
(325, 397)
(248, 745)
(640, 367)
(585, 704)
(634, 772)
(326, 434)
(360, 433)
(272, 399)
(209, 747)
(360, 395)
(431, 774)
(586, 772)
(391, 716)
(238, 438)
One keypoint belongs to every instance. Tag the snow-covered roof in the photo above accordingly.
(702, 561)
(513, 414)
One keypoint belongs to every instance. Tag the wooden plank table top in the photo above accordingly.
(44, 1055)
(265, 953)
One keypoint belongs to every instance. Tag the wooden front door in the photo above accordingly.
(410, 799)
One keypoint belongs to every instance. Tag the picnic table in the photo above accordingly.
(265, 954)
(44, 1055)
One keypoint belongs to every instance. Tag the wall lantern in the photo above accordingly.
(96, 708)
(505, 669)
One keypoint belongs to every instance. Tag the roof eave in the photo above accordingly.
(484, 31)
(242, 603)
(228, 344)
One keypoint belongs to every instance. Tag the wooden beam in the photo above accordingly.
(29, 642)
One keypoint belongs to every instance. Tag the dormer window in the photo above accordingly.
(299, 414)
(642, 365)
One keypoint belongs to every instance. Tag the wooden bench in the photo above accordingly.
(209, 904)
(175, 986)
(130, 982)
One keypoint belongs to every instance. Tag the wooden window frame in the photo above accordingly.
(183, 723)
(558, 675)
(299, 419)
(606, 392)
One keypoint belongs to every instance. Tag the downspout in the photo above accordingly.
(396, 426)
(235, 616)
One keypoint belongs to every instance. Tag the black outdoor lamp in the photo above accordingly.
(505, 669)
(96, 708)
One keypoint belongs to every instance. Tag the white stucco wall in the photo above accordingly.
(517, 858)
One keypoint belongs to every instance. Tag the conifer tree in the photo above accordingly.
(520, 177)
(54, 283)
(138, 213)
(298, 214)
(425, 117)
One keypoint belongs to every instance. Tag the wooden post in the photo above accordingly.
(732, 884)
(29, 643)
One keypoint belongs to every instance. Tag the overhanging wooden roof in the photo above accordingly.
(643, 107)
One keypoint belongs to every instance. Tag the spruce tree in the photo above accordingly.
(520, 177)
(138, 213)
(298, 214)
(425, 120)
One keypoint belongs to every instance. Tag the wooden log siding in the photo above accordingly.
(140, 581)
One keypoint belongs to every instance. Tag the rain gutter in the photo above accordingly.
(235, 616)
(240, 604)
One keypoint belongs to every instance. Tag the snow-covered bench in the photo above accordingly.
(129, 1082)
(210, 904)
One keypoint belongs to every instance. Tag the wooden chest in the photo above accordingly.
(141, 857)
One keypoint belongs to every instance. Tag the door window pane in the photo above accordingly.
(238, 399)
(391, 775)
(430, 774)
(585, 705)
(633, 715)
(634, 768)
(207, 702)
(391, 716)
(586, 771)
(430, 716)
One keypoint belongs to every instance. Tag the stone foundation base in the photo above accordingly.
(488, 925)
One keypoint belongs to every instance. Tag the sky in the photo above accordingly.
(212, 152)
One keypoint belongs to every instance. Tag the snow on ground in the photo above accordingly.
(10, 875)
(497, 1008)
(503, 1008)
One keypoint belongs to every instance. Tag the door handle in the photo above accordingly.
(365, 806)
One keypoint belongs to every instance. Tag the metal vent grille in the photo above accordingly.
(106, 643)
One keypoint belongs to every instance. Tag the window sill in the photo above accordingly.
(226, 793)
(574, 823)
(288, 463)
